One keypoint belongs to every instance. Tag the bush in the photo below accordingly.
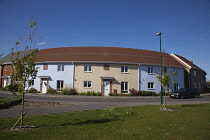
(12, 87)
(92, 93)
(116, 94)
(142, 93)
(32, 90)
(2, 89)
(51, 91)
(69, 92)
(7, 102)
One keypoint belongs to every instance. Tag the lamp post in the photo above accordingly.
(161, 70)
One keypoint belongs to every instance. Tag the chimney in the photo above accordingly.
(191, 61)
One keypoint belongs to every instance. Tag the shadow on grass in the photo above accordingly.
(90, 122)
(83, 122)
(198, 105)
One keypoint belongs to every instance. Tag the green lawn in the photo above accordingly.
(7, 102)
(140, 122)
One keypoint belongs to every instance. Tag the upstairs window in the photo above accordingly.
(195, 73)
(124, 69)
(150, 70)
(60, 67)
(45, 67)
(88, 68)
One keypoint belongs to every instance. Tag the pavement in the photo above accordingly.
(81, 103)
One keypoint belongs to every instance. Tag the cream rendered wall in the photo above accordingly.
(98, 71)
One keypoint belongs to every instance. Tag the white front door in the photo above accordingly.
(106, 88)
(5, 82)
(44, 86)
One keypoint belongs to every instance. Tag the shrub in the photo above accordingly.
(142, 93)
(117, 94)
(69, 92)
(92, 93)
(51, 91)
(2, 88)
(32, 90)
(12, 87)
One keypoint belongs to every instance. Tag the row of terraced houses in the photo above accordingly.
(106, 70)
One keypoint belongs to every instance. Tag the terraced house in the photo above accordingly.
(103, 69)
(107, 70)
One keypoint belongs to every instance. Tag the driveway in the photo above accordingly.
(79, 103)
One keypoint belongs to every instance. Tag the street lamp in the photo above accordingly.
(161, 70)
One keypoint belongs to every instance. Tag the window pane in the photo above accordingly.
(122, 68)
(58, 84)
(61, 86)
(90, 67)
(126, 86)
(89, 84)
(126, 68)
(85, 84)
(122, 85)
(85, 68)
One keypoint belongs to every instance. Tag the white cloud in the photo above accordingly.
(41, 43)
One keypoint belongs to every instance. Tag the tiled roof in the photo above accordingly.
(7, 58)
(104, 54)
(186, 63)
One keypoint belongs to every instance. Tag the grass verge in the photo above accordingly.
(140, 122)
(8, 102)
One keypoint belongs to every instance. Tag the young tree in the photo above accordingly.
(166, 79)
(23, 66)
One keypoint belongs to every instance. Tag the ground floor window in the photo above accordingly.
(87, 84)
(176, 86)
(124, 87)
(151, 85)
(32, 82)
(60, 84)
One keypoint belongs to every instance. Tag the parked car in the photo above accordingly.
(185, 93)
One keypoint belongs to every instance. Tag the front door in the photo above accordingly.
(106, 88)
(5, 82)
(44, 86)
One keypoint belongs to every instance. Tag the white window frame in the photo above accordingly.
(60, 84)
(87, 68)
(123, 69)
(150, 70)
(176, 86)
(60, 67)
(151, 85)
(124, 90)
(87, 84)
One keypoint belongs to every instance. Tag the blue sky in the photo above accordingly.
(185, 25)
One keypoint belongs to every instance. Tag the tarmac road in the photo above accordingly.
(79, 103)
